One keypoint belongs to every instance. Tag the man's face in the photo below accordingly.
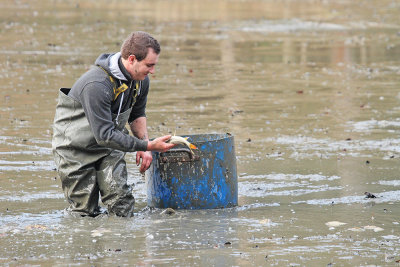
(140, 69)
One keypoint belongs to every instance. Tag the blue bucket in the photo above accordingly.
(204, 179)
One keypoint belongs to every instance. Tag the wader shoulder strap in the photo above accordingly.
(116, 90)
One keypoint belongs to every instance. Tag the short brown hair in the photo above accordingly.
(138, 44)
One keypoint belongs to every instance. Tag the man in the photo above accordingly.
(90, 138)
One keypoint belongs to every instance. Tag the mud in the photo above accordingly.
(308, 88)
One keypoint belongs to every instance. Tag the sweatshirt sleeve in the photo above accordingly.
(96, 100)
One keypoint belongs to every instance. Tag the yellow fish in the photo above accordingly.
(179, 140)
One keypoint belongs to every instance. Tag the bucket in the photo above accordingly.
(204, 179)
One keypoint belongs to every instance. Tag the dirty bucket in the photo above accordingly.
(204, 179)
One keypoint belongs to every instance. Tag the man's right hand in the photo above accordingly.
(159, 144)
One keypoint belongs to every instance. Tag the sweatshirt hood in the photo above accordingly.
(109, 62)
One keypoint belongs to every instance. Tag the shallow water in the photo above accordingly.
(308, 88)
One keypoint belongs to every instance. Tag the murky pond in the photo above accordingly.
(308, 88)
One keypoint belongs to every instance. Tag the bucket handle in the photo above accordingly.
(167, 159)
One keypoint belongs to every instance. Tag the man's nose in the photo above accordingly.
(152, 70)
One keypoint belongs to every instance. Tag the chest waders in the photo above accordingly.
(86, 169)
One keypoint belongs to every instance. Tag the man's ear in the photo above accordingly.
(131, 58)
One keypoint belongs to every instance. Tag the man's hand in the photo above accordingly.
(159, 144)
(146, 160)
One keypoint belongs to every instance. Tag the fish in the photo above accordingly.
(179, 140)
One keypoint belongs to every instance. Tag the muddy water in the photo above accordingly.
(308, 88)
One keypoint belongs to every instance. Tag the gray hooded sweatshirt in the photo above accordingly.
(94, 91)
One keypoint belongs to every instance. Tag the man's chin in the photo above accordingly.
(143, 78)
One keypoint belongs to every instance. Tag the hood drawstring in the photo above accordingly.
(120, 104)
(137, 92)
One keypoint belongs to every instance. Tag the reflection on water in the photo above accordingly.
(308, 88)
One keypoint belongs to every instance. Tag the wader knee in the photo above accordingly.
(112, 179)
(81, 190)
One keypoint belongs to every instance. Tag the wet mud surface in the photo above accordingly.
(308, 88)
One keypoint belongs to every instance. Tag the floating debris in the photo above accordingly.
(334, 224)
(265, 221)
(369, 195)
(36, 227)
(356, 229)
(234, 112)
(168, 211)
(374, 228)
(99, 232)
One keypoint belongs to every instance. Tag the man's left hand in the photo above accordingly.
(146, 160)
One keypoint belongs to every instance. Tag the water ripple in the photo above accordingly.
(383, 197)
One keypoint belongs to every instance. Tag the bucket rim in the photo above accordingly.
(206, 138)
